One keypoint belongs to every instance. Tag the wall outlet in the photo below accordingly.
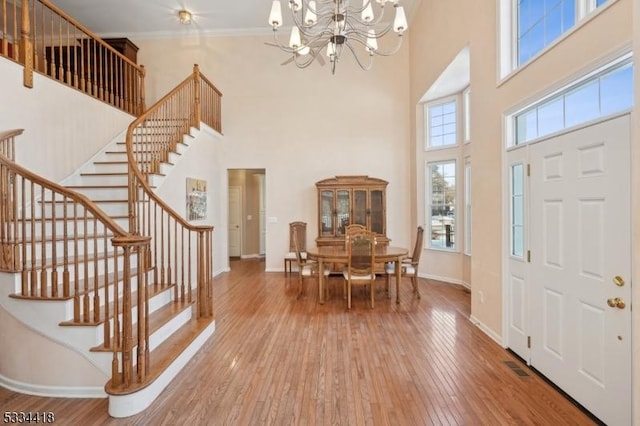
(481, 296)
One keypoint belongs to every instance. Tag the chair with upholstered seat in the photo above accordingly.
(300, 230)
(306, 268)
(409, 266)
(361, 253)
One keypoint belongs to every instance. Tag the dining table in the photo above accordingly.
(338, 254)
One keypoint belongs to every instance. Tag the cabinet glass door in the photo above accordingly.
(343, 210)
(360, 207)
(377, 212)
(326, 214)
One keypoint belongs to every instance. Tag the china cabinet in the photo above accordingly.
(345, 200)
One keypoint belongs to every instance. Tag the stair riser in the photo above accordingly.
(118, 208)
(100, 179)
(109, 167)
(104, 193)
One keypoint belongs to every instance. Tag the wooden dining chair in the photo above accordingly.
(361, 254)
(299, 229)
(306, 268)
(408, 266)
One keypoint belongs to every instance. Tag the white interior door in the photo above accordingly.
(235, 220)
(580, 267)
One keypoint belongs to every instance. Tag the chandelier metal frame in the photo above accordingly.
(333, 26)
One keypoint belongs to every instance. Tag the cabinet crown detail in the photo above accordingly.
(346, 200)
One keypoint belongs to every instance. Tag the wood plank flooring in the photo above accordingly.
(278, 360)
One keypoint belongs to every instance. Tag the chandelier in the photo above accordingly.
(332, 26)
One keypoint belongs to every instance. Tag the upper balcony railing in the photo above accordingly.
(41, 37)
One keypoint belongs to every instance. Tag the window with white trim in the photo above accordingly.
(441, 212)
(467, 206)
(441, 124)
(540, 22)
(604, 93)
(529, 27)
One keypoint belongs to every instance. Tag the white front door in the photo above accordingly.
(235, 219)
(580, 269)
(517, 280)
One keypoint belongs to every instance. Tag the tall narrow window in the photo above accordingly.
(517, 210)
(442, 204)
(441, 124)
(467, 207)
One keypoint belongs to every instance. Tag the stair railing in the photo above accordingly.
(150, 140)
(42, 37)
(65, 247)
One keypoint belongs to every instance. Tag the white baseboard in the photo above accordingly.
(446, 280)
(252, 256)
(53, 391)
(489, 332)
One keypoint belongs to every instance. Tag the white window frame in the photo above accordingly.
(427, 122)
(466, 119)
(429, 209)
(512, 139)
(508, 33)
(467, 206)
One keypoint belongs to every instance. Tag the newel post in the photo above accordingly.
(204, 303)
(196, 96)
(142, 107)
(26, 46)
(133, 248)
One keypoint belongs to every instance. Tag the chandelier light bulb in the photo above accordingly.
(367, 11)
(311, 17)
(400, 21)
(275, 17)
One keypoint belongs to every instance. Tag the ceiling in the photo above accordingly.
(159, 18)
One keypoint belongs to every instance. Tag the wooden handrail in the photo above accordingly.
(171, 235)
(59, 242)
(7, 143)
(47, 40)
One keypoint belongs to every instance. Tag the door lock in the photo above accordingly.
(616, 302)
(618, 280)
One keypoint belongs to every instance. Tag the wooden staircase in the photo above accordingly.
(112, 272)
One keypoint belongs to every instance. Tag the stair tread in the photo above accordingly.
(104, 174)
(96, 186)
(157, 319)
(162, 356)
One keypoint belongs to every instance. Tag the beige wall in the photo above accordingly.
(301, 126)
(439, 31)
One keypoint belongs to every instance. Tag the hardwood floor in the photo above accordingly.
(278, 360)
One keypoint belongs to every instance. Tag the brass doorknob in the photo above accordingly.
(616, 302)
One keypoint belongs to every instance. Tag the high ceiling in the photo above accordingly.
(159, 18)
